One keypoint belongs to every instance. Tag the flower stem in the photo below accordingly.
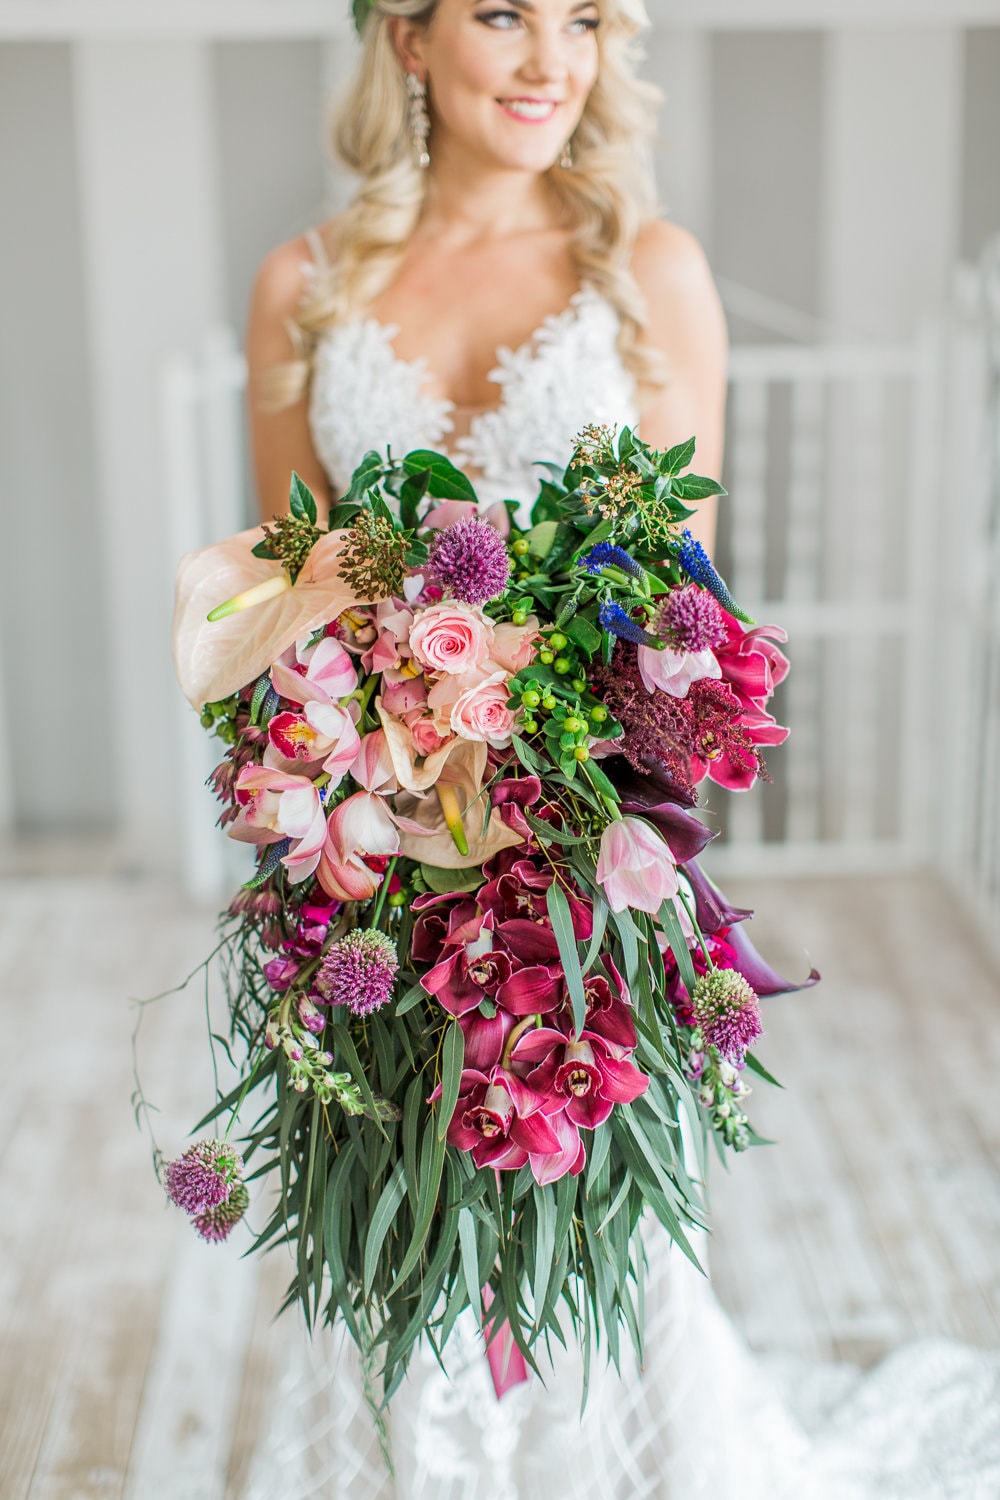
(243, 1092)
(697, 930)
(383, 891)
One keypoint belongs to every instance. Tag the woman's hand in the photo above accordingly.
(685, 322)
(280, 440)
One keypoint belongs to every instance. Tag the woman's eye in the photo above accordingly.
(498, 18)
(585, 23)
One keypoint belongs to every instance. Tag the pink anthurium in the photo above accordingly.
(275, 805)
(635, 866)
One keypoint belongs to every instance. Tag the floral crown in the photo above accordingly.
(360, 11)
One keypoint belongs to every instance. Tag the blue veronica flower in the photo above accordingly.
(617, 621)
(607, 555)
(695, 561)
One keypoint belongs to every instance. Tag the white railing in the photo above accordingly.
(203, 443)
(965, 603)
(830, 462)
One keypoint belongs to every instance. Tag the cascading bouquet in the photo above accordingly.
(478, 979)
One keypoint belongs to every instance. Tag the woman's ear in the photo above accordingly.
(407, 39)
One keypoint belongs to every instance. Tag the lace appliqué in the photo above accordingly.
(567, 374)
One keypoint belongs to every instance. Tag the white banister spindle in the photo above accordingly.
(804, 750)
(748, 467)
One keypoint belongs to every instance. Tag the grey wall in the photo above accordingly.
(766, 166)
(270, 112)
(52, 625)
(981, 140)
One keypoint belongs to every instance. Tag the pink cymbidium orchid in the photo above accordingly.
(359, 828)
(324, 731)
(275, 805)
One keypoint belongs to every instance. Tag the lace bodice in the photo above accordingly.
(568, 373)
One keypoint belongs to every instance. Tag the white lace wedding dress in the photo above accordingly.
(702, 1417)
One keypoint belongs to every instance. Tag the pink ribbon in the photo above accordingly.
(507, 1363)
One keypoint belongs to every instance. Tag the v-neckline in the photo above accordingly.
(526, 352)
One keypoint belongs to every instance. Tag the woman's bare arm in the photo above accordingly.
(280, 440)
(686, 322)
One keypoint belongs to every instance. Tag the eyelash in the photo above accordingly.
(589, 23)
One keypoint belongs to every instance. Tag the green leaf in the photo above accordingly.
(413, 491)
(301, 501)
(264, 549)
(470, 1259)
(597, 936)
(443, 882)
(601, 782)
(365, 476)
(545, 1242)
(674, 934)
(585, 635)
(390, 1198)
(445, 482)
(452, 1059)
(562, 926)
(413, 997)
(432, 1155)
(541, 537)
(341, 515)
(696, 487)
(758, 1067)
(529, 759)
(677, 458)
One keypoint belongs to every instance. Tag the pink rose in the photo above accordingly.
(451, 637)
(514, 645)
(423, 732)
(481, 713)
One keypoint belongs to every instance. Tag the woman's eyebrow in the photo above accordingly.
(527, 5)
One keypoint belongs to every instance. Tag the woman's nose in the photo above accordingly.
(546, 60)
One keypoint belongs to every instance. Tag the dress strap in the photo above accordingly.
(318, 250)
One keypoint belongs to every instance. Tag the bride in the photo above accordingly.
(499, 281)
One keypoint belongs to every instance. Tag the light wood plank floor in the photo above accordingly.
(128, 1350)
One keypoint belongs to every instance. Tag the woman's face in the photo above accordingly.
(506, 79)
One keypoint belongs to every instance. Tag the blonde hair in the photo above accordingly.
(608, 195)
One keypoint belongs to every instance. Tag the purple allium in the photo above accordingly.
(691, 620)
(358, 971)
(727, 1012)
(204, 1176)
(470, 561)
(217, 1224)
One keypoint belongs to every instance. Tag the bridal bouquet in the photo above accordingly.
(478, 982)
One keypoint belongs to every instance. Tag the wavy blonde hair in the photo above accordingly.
(608, 195)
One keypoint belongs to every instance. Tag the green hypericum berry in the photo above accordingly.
(521, 547)
(398, 898)
(579, 683)
(531, 699)
(518, 617)
(598, 713)
(530, 726)
(549, 702)
(581, 752)
(561, 665)
(557, 640)
(546, 658)
(573, 725)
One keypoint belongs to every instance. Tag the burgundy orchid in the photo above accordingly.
(500, 1120)
(582, 1074)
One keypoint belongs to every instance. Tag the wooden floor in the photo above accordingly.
(129, 1351)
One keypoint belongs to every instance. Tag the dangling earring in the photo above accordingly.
(420, 123)
(566, 160)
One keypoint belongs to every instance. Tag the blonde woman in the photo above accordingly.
(500, 280)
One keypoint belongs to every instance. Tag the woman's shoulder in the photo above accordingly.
(672, 272)
(668, 259)
(287, 272)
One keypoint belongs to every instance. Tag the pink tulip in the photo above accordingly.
(674, 671)
(635, 866)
